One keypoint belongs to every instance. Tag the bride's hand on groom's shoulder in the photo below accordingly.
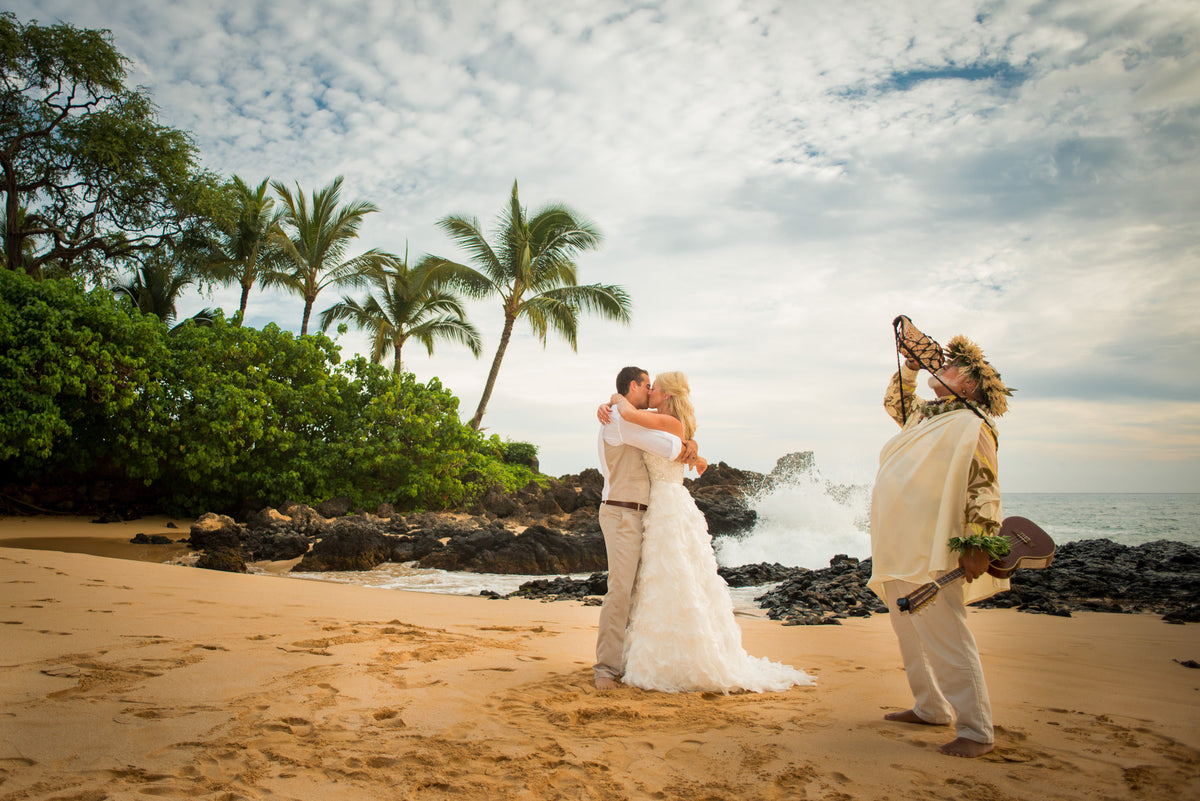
(604, 414)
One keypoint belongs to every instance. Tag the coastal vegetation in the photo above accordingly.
(532, 269)
(110, 400)
(218, 417)
(90, 177)
(320, 231)
(407, 303)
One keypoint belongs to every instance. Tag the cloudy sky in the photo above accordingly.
(775, 181)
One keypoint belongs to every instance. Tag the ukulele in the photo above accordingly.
(1031, 547)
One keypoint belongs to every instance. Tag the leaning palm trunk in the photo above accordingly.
(308, 304)
(509, 321)
(245, 297)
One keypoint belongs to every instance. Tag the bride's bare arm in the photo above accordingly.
(648, 419)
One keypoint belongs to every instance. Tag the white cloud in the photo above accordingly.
(775, 182)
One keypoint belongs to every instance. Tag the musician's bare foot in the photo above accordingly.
(908, 716)
(604, 684)
(962, 747)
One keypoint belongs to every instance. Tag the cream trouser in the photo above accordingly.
(623, 541)
(942, 662)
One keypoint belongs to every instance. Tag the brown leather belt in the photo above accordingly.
(641, 507)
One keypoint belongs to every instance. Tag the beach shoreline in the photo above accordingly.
(125, 677)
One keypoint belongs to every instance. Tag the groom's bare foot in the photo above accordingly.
(604, 683)
(962, 747)
(908, 716)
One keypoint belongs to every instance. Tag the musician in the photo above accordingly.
(937, 484)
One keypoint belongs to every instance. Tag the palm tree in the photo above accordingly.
(409, 303)
(155, 287)
(248, 245)
(317, 245)
(532, 269)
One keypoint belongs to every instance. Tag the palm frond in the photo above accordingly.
(465, 232)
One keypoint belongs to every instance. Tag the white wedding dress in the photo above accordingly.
(682, 636)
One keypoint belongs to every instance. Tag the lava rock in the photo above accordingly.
(213, 532)
(536, 550)
(228, 560)
(821, 597)
(156, 539)
(758, 574)
(352, 544)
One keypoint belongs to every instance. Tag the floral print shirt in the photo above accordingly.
(982, 514)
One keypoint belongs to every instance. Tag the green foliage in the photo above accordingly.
(252, 411)
(531, 267)
(488, 469)
(245, 245)
(221, 418)
(82, 381)
(524, 453)
(316, 234)
(997, 547)
(407, 303)
(85, 159)
(404, 443)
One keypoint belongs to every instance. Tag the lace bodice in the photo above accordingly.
(664, 471)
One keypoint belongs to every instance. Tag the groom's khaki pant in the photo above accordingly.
(623, 541)
(942, 662)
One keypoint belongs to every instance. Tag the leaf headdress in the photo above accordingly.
(969, 358)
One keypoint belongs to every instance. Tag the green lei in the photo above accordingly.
(944, 405)
(997, 547)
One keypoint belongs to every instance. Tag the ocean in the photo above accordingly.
(805, 523)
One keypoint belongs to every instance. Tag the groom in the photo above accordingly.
(623, 501)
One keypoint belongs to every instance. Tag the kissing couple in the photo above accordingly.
(667, 621)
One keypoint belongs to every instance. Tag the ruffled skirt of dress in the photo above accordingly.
(682, 634)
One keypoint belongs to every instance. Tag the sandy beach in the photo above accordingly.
(124, 678)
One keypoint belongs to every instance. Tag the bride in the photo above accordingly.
(682, 636)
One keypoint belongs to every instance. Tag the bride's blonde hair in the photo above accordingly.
(679, 404)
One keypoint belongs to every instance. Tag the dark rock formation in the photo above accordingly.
(1102, 576)
(154, 539)
(824, 596)
(758, 574)
(411, 549)
(724, 510)
(279, 547)
(334, 507)
(1091, 575)
(562, 588)
(536, 550)
(213, 532)
(226, 559)
(351, 544)
(721, 494)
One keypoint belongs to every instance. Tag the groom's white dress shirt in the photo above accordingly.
(619, 431)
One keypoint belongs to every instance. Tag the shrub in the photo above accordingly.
(81, 380)
(522, 453)
(223, 418)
